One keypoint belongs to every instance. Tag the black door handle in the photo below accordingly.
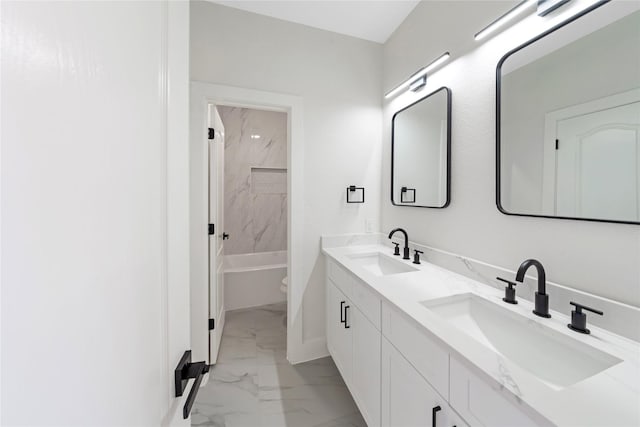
(342, 317)
(183, 373)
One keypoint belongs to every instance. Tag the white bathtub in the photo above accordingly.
(254, 279)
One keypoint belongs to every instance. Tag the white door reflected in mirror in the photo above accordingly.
(598, 158)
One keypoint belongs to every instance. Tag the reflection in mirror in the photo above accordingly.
(420, 152)
(569, 122)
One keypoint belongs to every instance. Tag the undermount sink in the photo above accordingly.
(555, 358)
(381, 265)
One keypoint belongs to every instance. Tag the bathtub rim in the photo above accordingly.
(282, 263)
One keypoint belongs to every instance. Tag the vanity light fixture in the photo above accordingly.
(418, 84)
(502, 20)
(419, 76)
(545, 7)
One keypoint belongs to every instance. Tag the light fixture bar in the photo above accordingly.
(512, 13)
(545, 7)
(418, 74)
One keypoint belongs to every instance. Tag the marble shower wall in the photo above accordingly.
(255, 194)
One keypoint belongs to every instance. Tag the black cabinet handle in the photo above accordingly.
(225, 236)
(434, 411)
(346, 307)
(182, 374)
(342, 317)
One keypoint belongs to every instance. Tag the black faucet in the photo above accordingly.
(541, 298)
(406, 241)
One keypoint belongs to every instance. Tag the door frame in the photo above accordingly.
(174, 290)
(551, 120)
(202, 94)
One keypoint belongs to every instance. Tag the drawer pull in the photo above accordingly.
(345, 317)
(434, 411)
(342, 312)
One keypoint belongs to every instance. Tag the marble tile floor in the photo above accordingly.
(253, 384)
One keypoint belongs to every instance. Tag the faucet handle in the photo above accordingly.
(579, 319)
(396, 251)
(580, 307)
(416, 256)
(507, 281)
(509, 291)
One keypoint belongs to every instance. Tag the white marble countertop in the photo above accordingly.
(609, 398)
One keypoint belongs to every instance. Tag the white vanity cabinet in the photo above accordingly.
(398, 372)
(354, 340)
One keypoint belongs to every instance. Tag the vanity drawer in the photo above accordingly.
(367, 301)
(481, 404)
(428, 357)
(340, 277)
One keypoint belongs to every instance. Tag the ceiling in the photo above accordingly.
(373, 20)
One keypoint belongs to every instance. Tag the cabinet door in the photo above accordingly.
(482, 404)
(455, 420)
(339, 340)
(407, 398)
(365, 380)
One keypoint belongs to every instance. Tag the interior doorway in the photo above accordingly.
(202, 96)
(247, 212)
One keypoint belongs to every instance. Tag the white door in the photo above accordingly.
(598, 164)
(592, 159)
(216, 240)
(95, 196)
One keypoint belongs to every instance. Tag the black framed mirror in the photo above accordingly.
(568, 120)
(421, 152)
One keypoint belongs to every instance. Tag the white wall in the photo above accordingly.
(94, 212)
(339, 79)
(431, 29)
(600, 258)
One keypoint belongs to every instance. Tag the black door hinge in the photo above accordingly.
(212, 229)
(212, 133)
(212, 324)
(557, 143)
